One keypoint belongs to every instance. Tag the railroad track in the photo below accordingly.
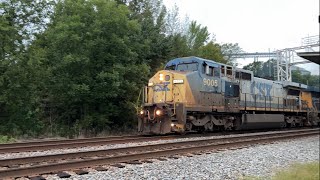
(74, 143)
(84, 142)
(19, 167)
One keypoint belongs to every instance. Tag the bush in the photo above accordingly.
(6, 139)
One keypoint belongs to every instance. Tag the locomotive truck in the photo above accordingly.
(195, 94)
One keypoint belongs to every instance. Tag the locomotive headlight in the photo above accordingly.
(142, 112)
(172, 124)
(161, 77)
(158, 112)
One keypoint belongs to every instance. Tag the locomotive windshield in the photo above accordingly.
(173, 67)
(187, 67)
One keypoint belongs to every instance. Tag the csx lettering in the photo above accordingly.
(161, 87)
(210, 82)
(263, 90)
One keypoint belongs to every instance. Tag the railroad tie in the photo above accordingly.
(37, 178)
(100, 168)
(118, 165)
(80, 172)
(63, 174)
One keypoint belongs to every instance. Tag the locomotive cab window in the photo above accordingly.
(210, 71)
(229, 70)
(222, 70)
(187, 67)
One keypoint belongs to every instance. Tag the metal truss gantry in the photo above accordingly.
(285, 58)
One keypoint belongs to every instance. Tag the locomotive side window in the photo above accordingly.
(245, 76)
(209, 70)
(188, 67)
(237, 74)
(216, 72)
(222, 70)
(229, 70)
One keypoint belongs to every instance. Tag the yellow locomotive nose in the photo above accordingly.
(160, 87)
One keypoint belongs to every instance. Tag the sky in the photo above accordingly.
(256, 25)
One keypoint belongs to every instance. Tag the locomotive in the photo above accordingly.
(195, 94)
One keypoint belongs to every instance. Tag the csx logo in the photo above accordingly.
(210, 82)
(161, 87)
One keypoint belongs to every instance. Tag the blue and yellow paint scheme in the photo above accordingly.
(192, 93)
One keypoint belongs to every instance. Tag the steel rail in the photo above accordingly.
(48, 145)
(40, 169)
(44, 142)
(73, 143)
(74, 155)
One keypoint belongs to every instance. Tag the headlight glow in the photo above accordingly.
(142, 112)
(172, 124)
(161, 77)
(158, 112)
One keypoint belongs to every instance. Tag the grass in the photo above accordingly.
(299, 171)
(6, 139)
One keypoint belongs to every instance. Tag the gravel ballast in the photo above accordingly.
(259, 160)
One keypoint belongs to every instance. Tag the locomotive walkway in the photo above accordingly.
(36, 165)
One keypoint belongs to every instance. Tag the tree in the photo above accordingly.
(95, 73)
(211, 51)
(310, 80)
(20, 22)
(77, 66)
(228, 50)
(197, 36)
(255, 67)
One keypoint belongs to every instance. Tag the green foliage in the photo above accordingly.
(212, 51)
(20, 105)
(197, 36)
(307, 171)
(297, 171)
(228, 49)
(308, 79)
(262, 69)
(6, 139)
(71, 67)
(255, 67)
(94, 68)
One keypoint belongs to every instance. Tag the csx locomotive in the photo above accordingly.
(195, 94)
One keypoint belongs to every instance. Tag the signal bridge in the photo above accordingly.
(288, 57)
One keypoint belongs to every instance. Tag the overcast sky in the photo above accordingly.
(256, 25)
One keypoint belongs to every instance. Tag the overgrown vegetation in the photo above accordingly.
(75, 67)
(297, 171)
(6, 139)
(307, 171)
